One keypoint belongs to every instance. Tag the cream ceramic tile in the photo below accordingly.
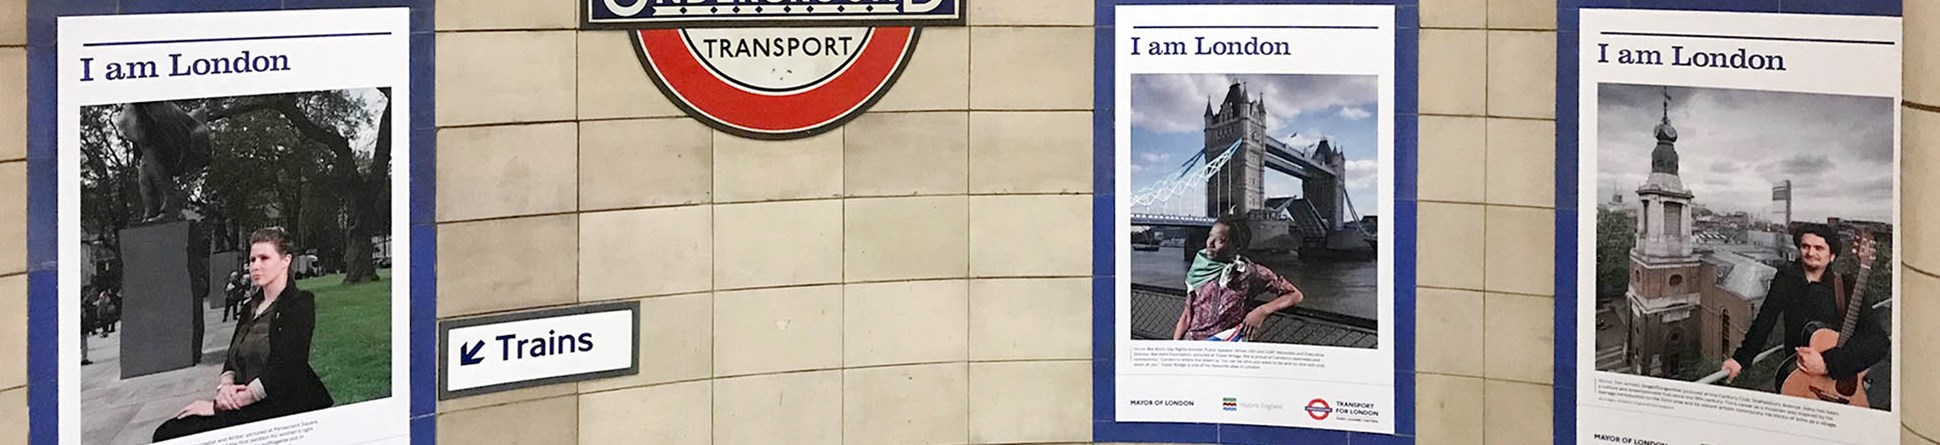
(505, 14)
(506, 264)
(1920, 37)
(1450, 253)
(1030, 402)
(1920, 212)
(1517, 413)
(1030, 152)
(507, 397)
(678, 414)
(612, 81)
(934, 77)
(752, 170)
(1522, 162)
(1919, 340)
(905, 238)
(477, 86)
(1521, 250)
(1030, 68)
(777, 330)
(1454, 72)
(1526, 61)
(904, 322)
(1448, 332)
(906, 405)
(1030, 236)
(1030, 12)
(13, 100)
(901, 154)
(13, 226)
(676, 338)
(777, 244)
(1453, 154)
(491, 172)
(547, 421)
(1522, 14)
(675, 255)
(1030, 319)
(650, 162)
(13, 331)
(796, 409)
(1449, 410)
(1910, 437)
(13, 22)
(1518, 328)
(13, 416)
(1454, 13)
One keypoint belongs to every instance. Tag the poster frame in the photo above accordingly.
(1568, 154)
(1105, 242)
(43, 139)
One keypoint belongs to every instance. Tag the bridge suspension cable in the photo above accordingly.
(1172, 185)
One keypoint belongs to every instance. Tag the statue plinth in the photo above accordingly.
(164, 276)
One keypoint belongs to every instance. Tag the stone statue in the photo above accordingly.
(168, 142)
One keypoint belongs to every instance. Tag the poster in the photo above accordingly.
(1253, 278)
(1738, 207)
(233, 197)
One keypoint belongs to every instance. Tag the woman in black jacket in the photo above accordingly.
(267, 371)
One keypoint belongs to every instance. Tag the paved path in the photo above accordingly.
(125, 412)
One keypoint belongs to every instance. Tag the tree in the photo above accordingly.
(1616, 235)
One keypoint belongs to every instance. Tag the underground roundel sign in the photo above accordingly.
(773, 69)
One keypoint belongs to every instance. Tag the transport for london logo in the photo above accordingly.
(773, 69)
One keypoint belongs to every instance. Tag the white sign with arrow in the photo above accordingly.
(505, 352)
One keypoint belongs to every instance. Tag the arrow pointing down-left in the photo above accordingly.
(469, 356)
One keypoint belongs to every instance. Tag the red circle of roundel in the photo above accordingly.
(714, 100)
(1319, 409)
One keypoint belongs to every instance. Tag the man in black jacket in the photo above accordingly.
(1803, 294)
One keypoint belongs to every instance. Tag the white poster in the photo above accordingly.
(232, 200)
(1255, 157)
(1736, 272)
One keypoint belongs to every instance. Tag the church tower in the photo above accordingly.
(1663, 293)
(1240, 186)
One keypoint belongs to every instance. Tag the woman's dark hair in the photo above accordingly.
(1242, 234)
(1831, 237)
(273, 235)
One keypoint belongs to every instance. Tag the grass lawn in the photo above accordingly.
(351, 347)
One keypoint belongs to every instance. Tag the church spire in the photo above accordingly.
(1664, 158)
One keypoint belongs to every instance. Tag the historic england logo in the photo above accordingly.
(773, 69)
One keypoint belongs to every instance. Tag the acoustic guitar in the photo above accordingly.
(1847, 391)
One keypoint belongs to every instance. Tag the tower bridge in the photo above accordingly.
(1237, 154)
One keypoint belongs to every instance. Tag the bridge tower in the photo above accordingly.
(1240, 186)
(1324, 191)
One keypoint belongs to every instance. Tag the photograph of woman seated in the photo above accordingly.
(267, 372)
(1221, 281)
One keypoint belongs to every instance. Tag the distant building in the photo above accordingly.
(1782, 202)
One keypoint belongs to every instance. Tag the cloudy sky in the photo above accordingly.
(1168, 118)
(1734, 145)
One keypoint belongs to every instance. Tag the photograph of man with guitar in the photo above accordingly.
(1826, 318)
(1746, 240)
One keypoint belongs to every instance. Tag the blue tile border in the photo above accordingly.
(1105, 427)
(42, 186)
(1568, 157)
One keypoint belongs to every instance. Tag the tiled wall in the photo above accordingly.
(919, 276)
(1485, 325)
(13, 222)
